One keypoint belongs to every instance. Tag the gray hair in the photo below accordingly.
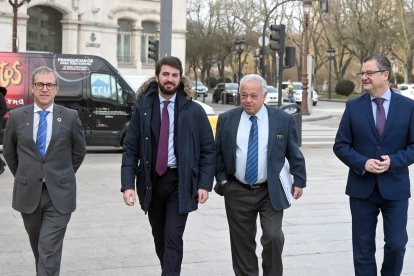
(254, 77)
(382, 61)
(45, 70)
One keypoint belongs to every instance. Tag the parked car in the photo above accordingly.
(229, 92)
(200, 88)
(407, 89)
(272, 96)
(297, 88)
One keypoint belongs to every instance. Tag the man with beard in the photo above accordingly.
(169, 158)
(375, 140)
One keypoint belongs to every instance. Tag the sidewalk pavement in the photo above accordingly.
(107, 238)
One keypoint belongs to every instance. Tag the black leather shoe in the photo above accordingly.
(1, 169)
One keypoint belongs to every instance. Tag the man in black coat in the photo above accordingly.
(172, 167)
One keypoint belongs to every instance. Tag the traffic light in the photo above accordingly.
(279, 37)
(153, 46)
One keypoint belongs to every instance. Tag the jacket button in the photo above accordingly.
(378, 147)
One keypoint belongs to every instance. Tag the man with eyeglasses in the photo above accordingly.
(44, 145)
(375, 140)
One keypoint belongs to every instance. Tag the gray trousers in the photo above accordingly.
(243, 204)
(46, 228)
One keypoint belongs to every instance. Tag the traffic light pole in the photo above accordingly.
(165, 28)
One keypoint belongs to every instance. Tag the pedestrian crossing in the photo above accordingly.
(318, 135)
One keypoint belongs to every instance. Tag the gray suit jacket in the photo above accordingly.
(57, 168)
(282, 142)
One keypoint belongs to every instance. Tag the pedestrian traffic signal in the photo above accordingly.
(153, 47)
(279, 37)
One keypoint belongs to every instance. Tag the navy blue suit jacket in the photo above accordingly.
(357, 141)
(282, 143)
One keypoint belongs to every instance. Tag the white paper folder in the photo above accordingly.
(287, 181)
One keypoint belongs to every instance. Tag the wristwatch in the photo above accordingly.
(223, 182)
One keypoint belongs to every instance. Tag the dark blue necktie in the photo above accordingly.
(252, 153)
(42, 132)
(162, 154)
(380, 116)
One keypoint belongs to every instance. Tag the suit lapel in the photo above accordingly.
(273, 125)
(29, 127)
(233, 132)
(367, 107)
(57, 121)
(392, 112)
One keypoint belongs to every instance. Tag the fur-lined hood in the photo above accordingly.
(185, 83)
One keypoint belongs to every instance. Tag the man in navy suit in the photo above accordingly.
(246, 197)
(378, 157)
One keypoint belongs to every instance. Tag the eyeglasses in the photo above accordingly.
(369, 73)
(40, 85)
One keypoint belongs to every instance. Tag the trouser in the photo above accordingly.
(46, 228)
(364, 222)
(243, 204)
(167, 224)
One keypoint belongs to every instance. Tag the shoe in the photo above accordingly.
(3, 164)
(1, 169)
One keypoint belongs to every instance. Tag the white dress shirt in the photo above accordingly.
(172, 161)
(49, 120)
(242, 142)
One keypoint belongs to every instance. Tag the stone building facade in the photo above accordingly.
(117, 30)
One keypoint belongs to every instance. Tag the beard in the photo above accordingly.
(167, 91)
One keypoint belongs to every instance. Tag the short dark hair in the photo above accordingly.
(382, 61)
(171, 61)
(45, 70)
(3, 91)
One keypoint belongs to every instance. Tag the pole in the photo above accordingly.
(165, 27)
(239, 73)
(305, 81)
(330, 76)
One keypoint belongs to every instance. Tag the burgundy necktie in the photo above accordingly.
(380, 119)
(162, 155)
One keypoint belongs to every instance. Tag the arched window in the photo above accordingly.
(44, 30)
(124, 43)
(149, 32)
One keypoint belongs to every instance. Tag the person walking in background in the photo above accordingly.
(169, 158)
(44, 146)
(290, 92)
(376, 141)
(247, 174)
(3, 111)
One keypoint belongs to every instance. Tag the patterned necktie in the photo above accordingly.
(42, 132)
(380, 119)
(162, 155)
(252, 153)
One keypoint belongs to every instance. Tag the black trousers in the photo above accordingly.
(243, 204)
(46, 228)
(167, 224)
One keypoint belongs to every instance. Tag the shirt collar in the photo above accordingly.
(260, 114)
(172, 99)
(37, 108)
(386, 95)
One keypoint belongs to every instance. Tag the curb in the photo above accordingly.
(315, 118)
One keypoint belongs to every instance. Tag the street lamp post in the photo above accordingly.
(16, 5)
(330, 52)
(239, 45)
(304, 105)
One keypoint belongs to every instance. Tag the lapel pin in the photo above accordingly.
(59, 120)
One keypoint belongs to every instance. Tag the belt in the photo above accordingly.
(248, 186)
(172, 167)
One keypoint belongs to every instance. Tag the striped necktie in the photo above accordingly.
(42, 132)
(252, 153)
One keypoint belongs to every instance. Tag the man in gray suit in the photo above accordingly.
(252, 143)
(44, 145)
